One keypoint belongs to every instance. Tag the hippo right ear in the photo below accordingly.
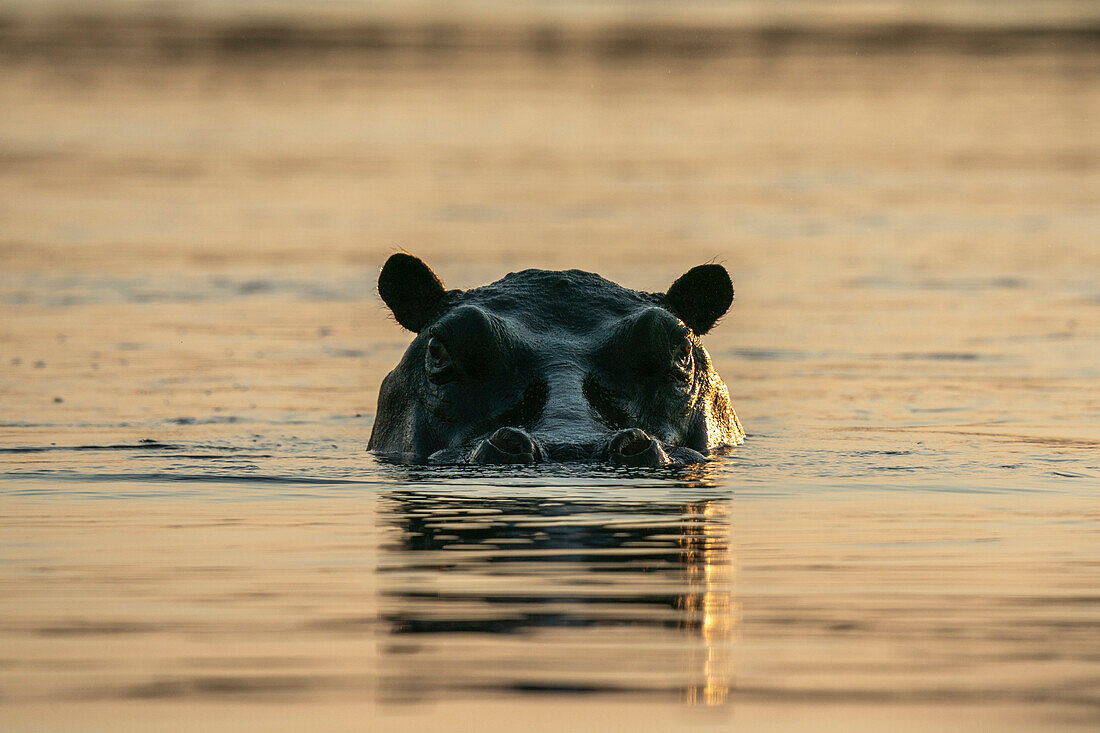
(700, 297)
(412, 291)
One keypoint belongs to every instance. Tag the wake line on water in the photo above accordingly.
(142, 445)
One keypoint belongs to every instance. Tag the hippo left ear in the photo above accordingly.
(412, 291)
(700, 297)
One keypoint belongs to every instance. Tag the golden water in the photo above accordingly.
(190, 350)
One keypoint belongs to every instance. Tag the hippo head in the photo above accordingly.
(554, 366)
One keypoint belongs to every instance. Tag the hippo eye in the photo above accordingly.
(438, 362)
(681, 359)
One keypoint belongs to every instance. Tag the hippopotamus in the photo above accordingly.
(551, 366)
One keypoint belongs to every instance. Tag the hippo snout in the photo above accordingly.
(629, 447)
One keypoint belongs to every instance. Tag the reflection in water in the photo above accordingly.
(557, 594)
(708, 569)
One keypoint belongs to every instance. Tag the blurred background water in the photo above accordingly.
(195, 198)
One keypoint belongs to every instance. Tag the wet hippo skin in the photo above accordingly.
(554, 366)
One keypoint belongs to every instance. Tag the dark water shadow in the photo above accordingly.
(554, 593)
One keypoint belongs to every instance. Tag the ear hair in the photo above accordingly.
(700, 297)
(412, 291)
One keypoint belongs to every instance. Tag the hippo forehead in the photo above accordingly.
(569, 303)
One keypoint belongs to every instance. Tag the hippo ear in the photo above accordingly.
(700, 297)
(411, 290)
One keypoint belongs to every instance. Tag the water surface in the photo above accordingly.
(190, 351)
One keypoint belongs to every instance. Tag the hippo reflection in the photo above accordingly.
(554, 366)
(520, 592)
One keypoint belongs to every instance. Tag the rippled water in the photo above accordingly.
(190, 351)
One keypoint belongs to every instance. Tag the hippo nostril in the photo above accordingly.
(510, 440)
(633, 447)
(507, 445)
(630, 442)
